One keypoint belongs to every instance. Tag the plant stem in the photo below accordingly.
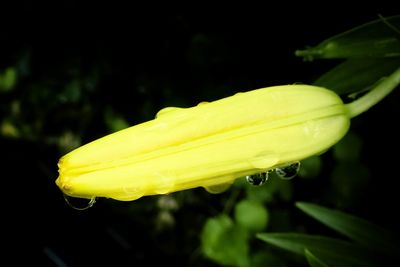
(365, 102)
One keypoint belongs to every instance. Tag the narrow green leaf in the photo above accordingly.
(359, 230)
(313, 260)
(357, 74)
(373, 39)
(334, 252)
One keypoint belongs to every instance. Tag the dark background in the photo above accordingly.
(77, 62)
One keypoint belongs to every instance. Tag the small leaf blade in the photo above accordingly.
(357, 74)
(313, 260)
(334, 252)
(375, 39)
(357, 229)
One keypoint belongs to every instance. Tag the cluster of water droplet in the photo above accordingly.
(285, 172)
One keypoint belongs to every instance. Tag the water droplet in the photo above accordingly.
(79, 203)
(258, 178)
(129, 193)
(217, 189)
(164, 183)
(264, 160)
(288, 172)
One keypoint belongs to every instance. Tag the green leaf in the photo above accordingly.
(359, 230)
(251, 215)
(114, 121)
(357, 74)
(334, 252)
(378, 38)
(8, 79)
(313, 260)
(224, 242)
(9, 129)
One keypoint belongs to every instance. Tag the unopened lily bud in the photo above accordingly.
(209, 145)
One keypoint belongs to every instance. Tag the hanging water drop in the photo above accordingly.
(288, 172)
(258, 178)
(76, 203)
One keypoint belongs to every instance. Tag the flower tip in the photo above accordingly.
(61, 163)
(62, 184)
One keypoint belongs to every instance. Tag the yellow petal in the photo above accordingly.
(207, 145)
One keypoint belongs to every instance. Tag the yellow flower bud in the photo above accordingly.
(209, 145)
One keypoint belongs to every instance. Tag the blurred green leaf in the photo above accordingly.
(357, 74)
(9, 129)
(313, 260)
(373, 39)
(251, 215)
(357, 229)
(8, 79)
(114, 121)
(334, 252)
(348, 149)
(224, 242)
(68, 141)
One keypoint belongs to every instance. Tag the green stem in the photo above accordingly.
(365, 102)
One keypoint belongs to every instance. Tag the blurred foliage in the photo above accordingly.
(360, 74)
(225, 242)
(313, 260)
(8, 79)
(376, 246)
(62, 88)
(251, 215)
(359, 230)
(372, 51)
(376, 39)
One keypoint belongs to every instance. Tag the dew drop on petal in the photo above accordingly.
(217, 189)
(79, 203)
(289, 171)
(164, 183)
(258, 178)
